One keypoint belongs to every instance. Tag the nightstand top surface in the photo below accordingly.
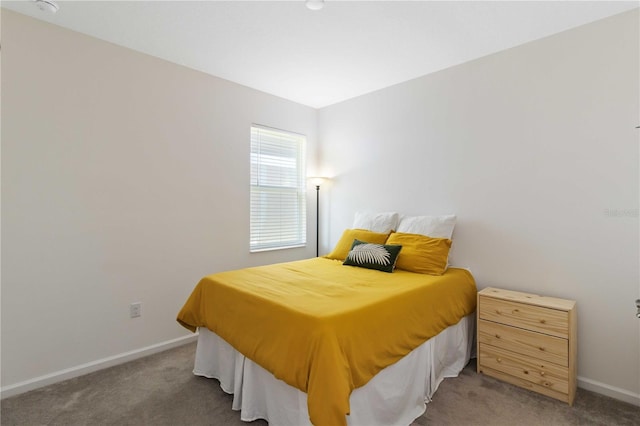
(528, 298)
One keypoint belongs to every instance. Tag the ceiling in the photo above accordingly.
(318, 58)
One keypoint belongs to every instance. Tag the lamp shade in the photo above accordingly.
(318, 180)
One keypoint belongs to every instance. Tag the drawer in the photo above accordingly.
(536, 318)
(528, 385)
(540, 373)
(528, 343)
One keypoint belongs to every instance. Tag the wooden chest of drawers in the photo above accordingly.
(529, 341)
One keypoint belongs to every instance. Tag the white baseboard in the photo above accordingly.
(90, 367)
(607, 390)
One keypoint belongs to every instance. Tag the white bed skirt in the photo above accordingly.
(397, 395)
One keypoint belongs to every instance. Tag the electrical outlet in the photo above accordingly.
(135, 310)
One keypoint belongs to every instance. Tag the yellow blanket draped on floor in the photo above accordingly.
(326, 328)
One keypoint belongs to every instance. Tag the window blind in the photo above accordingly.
(278, 199)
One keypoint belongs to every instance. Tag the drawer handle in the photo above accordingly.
(541, 349)
(499, 359)
(497, 336)
(525, 371)
(515, 311)
(542, 373)
(543, 321)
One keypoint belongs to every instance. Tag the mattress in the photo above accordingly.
(397, 395)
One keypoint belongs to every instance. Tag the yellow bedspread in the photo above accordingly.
(326, 328)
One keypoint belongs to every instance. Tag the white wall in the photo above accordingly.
(124, 178)
(535, 150)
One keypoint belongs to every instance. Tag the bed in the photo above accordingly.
(395, 396)
(362, 335)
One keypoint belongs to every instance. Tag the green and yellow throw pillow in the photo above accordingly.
(381, 257)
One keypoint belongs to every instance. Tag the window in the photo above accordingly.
(278, 199)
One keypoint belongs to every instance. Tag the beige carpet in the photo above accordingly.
(160, 390)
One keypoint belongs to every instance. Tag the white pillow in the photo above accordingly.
(431, 226)
(376, 222)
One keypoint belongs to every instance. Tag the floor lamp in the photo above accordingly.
(317, 181)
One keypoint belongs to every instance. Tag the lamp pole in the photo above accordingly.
(317, 181)
(317, 220)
